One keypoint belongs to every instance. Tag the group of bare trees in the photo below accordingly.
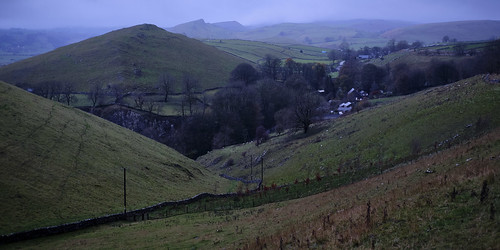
(251, 105)
(57, 91)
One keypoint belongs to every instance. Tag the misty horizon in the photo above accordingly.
(52, 14)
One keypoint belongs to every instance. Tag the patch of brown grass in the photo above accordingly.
(337, 218)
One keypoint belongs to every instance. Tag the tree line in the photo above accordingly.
(256, 101)
(403, 78)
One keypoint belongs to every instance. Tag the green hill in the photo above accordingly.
(134, 57)
(60, 164)
(434, 32)
(374, 138)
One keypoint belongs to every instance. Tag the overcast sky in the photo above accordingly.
(36, 14)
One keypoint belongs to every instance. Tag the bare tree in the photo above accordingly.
(95, 95)
(271, 67)
(50, 90)
(55, 91)
(166, 83)
(151, 106)
(305, 109)
(244, 72)
(446, 39)
(117, 91)
(190, 97)
(68, 95)
(139, 100)
(333, 55)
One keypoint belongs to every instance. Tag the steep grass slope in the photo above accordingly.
(134, 57)
(402, 208)
(60, 164)
(373, 139)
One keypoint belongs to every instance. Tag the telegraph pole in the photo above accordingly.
(251, 167)
(262, 172)
(124, 190)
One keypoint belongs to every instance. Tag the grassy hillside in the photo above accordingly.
(409, 208)
(134, 57)
(413, 59)
(372, 139)
(434, 32)
(60, 165)
(256, 51)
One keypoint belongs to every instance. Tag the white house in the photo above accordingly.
(344, 107)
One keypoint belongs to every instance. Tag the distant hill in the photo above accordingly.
(369, 25)
(60, 164)
(358, 33)
(201, 30)
(434, 32)
(133, 57)
(232, 26)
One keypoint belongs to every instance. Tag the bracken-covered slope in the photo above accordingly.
(134, 57)
(60, 165)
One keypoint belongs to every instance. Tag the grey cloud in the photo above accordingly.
(122, 13)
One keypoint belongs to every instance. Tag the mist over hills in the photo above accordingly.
(357, 33)
(434, 32)
(18, 44)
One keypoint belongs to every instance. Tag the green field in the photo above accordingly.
(256, 51)
(61, 165)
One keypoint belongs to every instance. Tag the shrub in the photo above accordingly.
(318, 177)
